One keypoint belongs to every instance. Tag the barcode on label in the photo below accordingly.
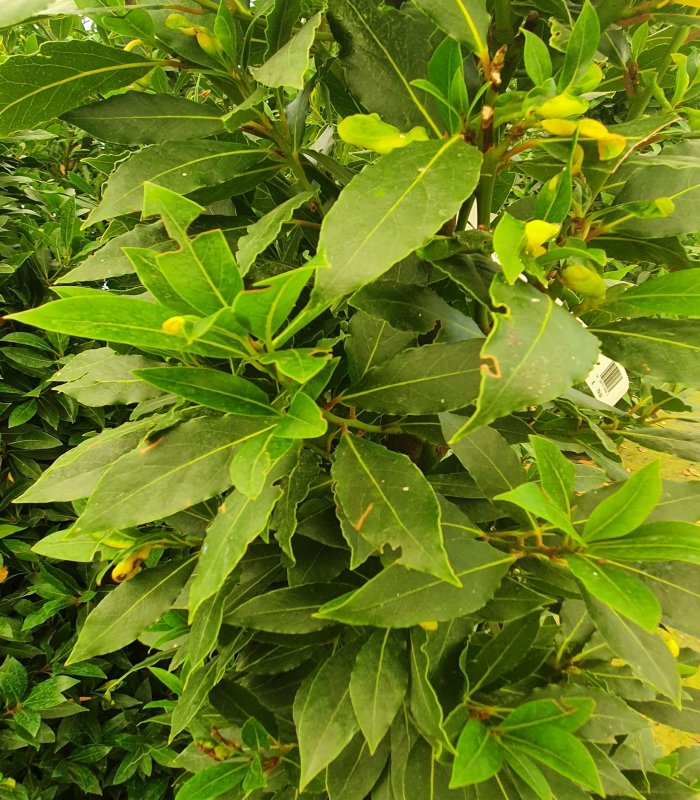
(611, 376)
(608, 380)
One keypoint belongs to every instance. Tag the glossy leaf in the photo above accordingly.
(383, 51)
(238, 523)
(582, 46)
(135, 118)
(264, 231)
(627, 508)
(411, 190)
(675, 293)
(465, 20)
(478, 755)
(173, 472)
(213, 781)
(355, 772)
(288, 65)
(531, 335)
(646, 653)
(657, 541)
(557, 473)
(75, 474)
(181, 167)
(323, 714)
(211, 388)
(35, 88)
(378, 684)
(129, 609)
(388, 501)
(662, 349)
(421, 380)
(618, 589)
(400, 598)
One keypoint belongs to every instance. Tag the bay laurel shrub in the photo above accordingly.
(376, 293)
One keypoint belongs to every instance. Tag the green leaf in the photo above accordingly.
(532, 498)
(657, 541)
(15, 11)
(65, 547)
(675, 293)
(300, 364)
(371, 343)
(581, 47)
(355, 772)
(388, 501)
(412, 191)
(211, 388)
(502, 653)
(538, 63)
(627, 508)
(280, 22)
(421, 380)
(423, 700)
(13, 681)
(298, 485)
(382, 52)
(264, 308)
(129, 609)
(290, 610)
(135, 118)
(685, 719)
(323, 714)
(181, 167)
(264, 231)
(184, 466)
(38, 87)
(557, 473)
(560, 751)
(112, 318)
(478, 756)
(254, 460)
(657, 348)
(288, 66)
(400, 598)
(378, 684)
(100, 377)
(508, 243)
(568, 714)
(303, 420)
(645, 653)
(75, 474)
(213, 781)
(486, 455)
(618, 590)
(239, 521)
(674, 173)
(467, 21)
(415, 308)
(110, 262)
(528, 339)
(527, 772)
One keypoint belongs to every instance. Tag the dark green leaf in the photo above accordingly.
(135, 118)
(129, 609)
(388, 501)
(323, 714)
(532, 335)
(411, 190)
(35, 88)
(378, 684)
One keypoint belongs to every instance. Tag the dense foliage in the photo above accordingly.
(311, 483)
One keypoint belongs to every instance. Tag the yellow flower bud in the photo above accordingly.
(174, 326)
(611, 146)
(584, 281)
(131, 565)
(209, 43)
(368, 130)
(558, 127)
(577, 160)
(561, 106)
(670, 641)
(431, 625)
(592, 129)
(537, 232)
